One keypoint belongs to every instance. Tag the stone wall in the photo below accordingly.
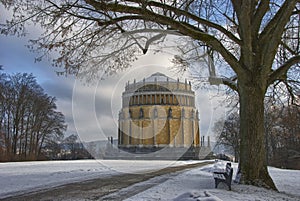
(178, 129)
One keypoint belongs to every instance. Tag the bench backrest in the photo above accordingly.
(228, 168)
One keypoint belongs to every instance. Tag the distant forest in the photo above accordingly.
(31, 128)
(282, 139)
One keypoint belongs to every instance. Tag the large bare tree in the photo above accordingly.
(257, 42)
(28, 118)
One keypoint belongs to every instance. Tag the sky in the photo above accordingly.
(91, 110)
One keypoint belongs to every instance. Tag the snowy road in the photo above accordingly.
(24, 177)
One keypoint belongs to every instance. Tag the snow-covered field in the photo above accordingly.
(21, 177)
(195, 184)
(198, 184)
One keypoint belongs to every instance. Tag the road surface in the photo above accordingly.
(115, 187)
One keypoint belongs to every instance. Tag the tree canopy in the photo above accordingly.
(93, 36)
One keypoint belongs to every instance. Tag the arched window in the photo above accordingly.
(170, 115)
(182, 113)
(155, 113)
(130, 114)
(141, 113)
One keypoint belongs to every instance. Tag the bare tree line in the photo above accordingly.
(28, 118)
(283, 136)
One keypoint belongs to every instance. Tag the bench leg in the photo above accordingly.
(216, 183)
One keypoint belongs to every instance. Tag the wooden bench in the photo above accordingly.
(225, 176)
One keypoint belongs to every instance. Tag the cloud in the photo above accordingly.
(92, 110)
(210, 110)
(59, 87)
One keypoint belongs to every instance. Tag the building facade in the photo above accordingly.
(158, 112)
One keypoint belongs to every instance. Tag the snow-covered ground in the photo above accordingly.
(21, 177)
(198, 184)
(195, 184)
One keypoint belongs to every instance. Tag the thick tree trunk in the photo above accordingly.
(253, 162)
(236, 155)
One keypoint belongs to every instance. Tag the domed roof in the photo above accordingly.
(158, 77)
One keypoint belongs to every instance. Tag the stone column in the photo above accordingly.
(154, 130)
(182, 125)
(197, 133)
(169, 130)
(129, 133)
(141, 132)
(208, 141)
(193, 132)
(119, 133)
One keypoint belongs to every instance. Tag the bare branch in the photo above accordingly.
(182, 27)
(259, 14)
(230, 83)
(271, 35)
(282, 70)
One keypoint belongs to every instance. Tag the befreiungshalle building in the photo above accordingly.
(159, 117)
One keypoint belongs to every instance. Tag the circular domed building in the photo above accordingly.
(159, 112)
